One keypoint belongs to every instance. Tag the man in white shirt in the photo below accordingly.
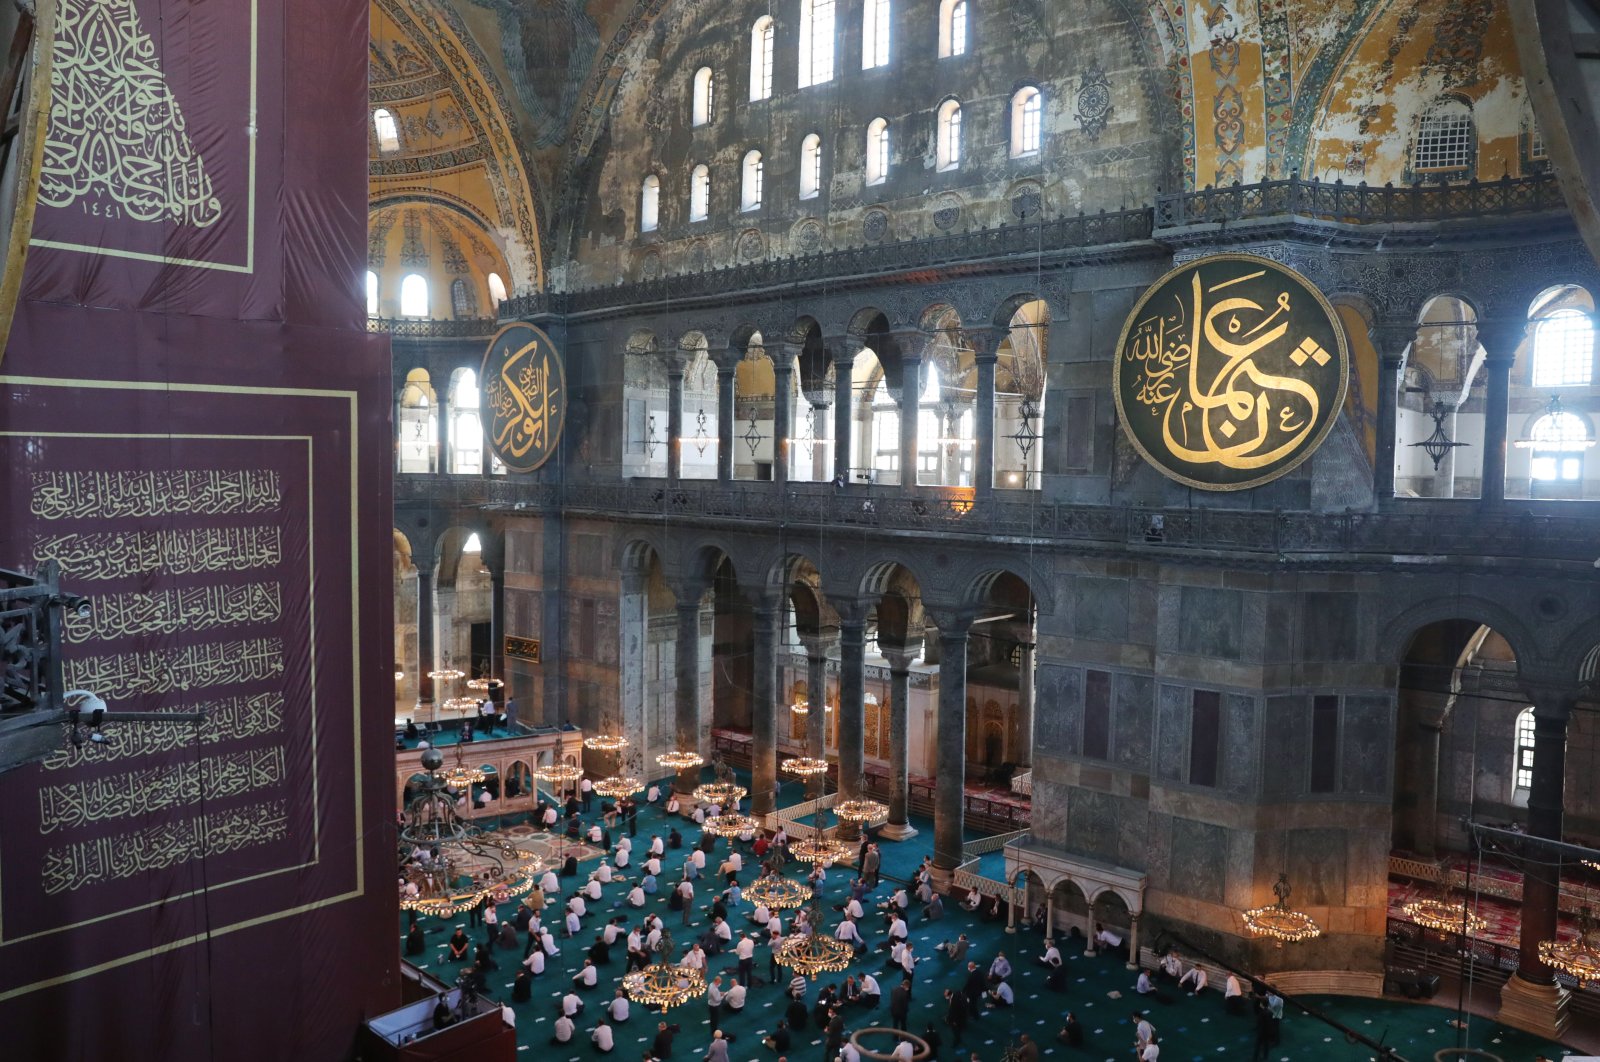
(574, 923)
(897, 929)
(564, 1028)
(611, 932)
(745, 950)
(1150, 1053)
(535, 961)
(636, 896)
(586, 793)
(621, 858)
(550, 817)
(617, 1009)
(714, 995)
(653, 866)
(1233, 994)
(722, 933)
(601, 1037)
(698, 858)
(853, 908)
(588, 977)
(871, 993)
(1196, 974)
(903, 1051)
(1001, 995)
(908, 961)
(1172, 965)
(603, 873)
(635, 940)
(686, 894)
(549, 883)
(734, 998)
(658, 847)
(571, 1005)
(1143, 985)
(762, 915)
(736, 861)
(592, 890)
(699, 815)
(695, 958)
(577, 906)
(1001, 967)
(1051, 956)
(508, 1015)
(1143, 1031)
(596, 834)
(847, 931)
(625, 843)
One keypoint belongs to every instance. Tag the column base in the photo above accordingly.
(896, 831)
(943, 879)
(1537, 1009)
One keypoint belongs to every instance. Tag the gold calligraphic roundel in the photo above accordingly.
(524, 397)
(1230, 371)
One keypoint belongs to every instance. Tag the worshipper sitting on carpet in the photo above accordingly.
(870, 992)
(847, 931)
(1233, 995)
(636, 895)
(586, 978)
(955, 950)
(535, 962)
(673, 807)
(648, 884)
(1197, 975)
(971, 900)
(779, 1038)
(569, 869)
(601, 1037)
(1104, 937)
(933, 912)
(1000, 994)
(600, 951)
(415, 943)
(1071, 1032)
(899, 902)
(674, 838)
(617, 1009)
(653, 795)
(508, 935)
(564, 1028)
(460, 946)
(1143, 985)
(1001, 966)
(1171, 966)
(522, 986)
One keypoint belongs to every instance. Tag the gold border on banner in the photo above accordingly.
(526, 649)
(253, 134)
(355, 664)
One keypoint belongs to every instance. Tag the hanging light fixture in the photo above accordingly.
(778, 894)
(820, 849)
(723, 794)
(618, 786)
(664, 986)
(459, 704)
(465, 864)
(860, 811)
(1446, 917)
(1579, 957)
(805, 766)
(1280, 921)
(680, 759)
(1556, 429)
(702, 438)
(1439, 443)
(606, 742)
(731, 825)
(800, 708)
(559, 775)
(484, 685)
(448, 674)
(461, 775)
(809, 954)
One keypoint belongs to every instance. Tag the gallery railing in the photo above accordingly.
(427, 328)
(1360, 204)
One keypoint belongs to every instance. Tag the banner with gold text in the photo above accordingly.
(195, 425)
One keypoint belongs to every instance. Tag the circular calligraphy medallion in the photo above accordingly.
(1230, 371)
(524, 397)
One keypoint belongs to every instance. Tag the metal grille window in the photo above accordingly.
(952, 28)
(816, 42)
(699, 194)
(810, 166)
(1563, 350)
(1559, 440)
(874, 34)
(878, 151)
(761, 37)
(949, 142)
(1446, 138)
(650, 204)
(1523, 762)
(704, 96)
(1027, 119)
(750, 191)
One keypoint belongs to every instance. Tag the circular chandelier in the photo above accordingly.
(464, 864)
(461, 775)
(1590, 863)
(779, 894)
(731, 825)
(860, 811)
(1280, 921)
(812, 953)
(562, 774)
(1446, 917)
(484, 684)
(806, 766)
(618, 786)
(720, 793)
(448, 674)
(606, 742)
(800, 707)
(820, 849)
(664, 986)
(680, 759)
(1579, 957)
(459, 704)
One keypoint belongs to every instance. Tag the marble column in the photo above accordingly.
(1391, 341)
(782, 414)
(817, 646)
(425, 658)
(1022, 754)
(949, 801)
(441, 427)
(766, 624)
(984, 343)
(852, 705)
(900, 660)
(821, 424)
(1531, 999)
(686, 688)
(633, 624)
(1500, 341)
(844, 360)
(910, 397)
(726, 375)
(674, 420)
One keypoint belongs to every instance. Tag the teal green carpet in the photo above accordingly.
(1189, 1028)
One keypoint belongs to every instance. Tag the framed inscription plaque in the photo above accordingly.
(524, 397)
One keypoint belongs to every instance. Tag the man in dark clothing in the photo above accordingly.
(600, 951)
(835, 1038)
(1264, 1030)
(900, 1004)
(662, 1047)
(1071, 1033)
(934, 1042)
(976, 985)
(955, 1014)
(441, 1012)
(797, 1016)
(779, 1040)
(414, 941)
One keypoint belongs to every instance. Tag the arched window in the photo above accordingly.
(761, 36)
(463, 302)
(699, 193)
(750, 183)
(388, 131)
(1522, 757)
(650, 204)
(414, 295)
(952, 28)
(704, 91)
(473, 544)
(1558, 441)
(948, 147)
(878, 151)
(885, 429)
(1446, 139)
(497, 290)
(372, 294)
(1563, 349)
(414, 426)
(810, 166)
(466, 431)
(816, 42)
(874, 34)
(1027, 121)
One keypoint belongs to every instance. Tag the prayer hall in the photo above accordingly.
(774, 530)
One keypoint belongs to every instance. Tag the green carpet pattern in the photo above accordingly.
(1099, 988)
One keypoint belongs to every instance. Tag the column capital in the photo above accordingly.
(843, 349)
(1552, 701)
(900, 657)
(820, 643)
(951, 622)
(1500, 337)
(688, 593)
(1391, 337)
(910, 343)
(984, 342)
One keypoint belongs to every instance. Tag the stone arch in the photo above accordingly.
(1401, 629)
(986, 585)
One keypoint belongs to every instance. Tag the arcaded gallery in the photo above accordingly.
(739, 530)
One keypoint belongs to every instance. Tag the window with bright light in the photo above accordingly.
(1446, 138)
(948, 148)
(816, 42)
(811, 166)
(699, 194)
(874, 34)
(952, 28)
(414, 425)
(387, 129)
(750, 184)
(1563, 350)
(466, 431)
(1559, 440)
(414, 295)
(497, 290)
(372, 294)
(885, 429)
(1522, 760)
(650, 204)
(473, 544)
(761, 38)
(1027, 121)
(878, 151)
(704, 91)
